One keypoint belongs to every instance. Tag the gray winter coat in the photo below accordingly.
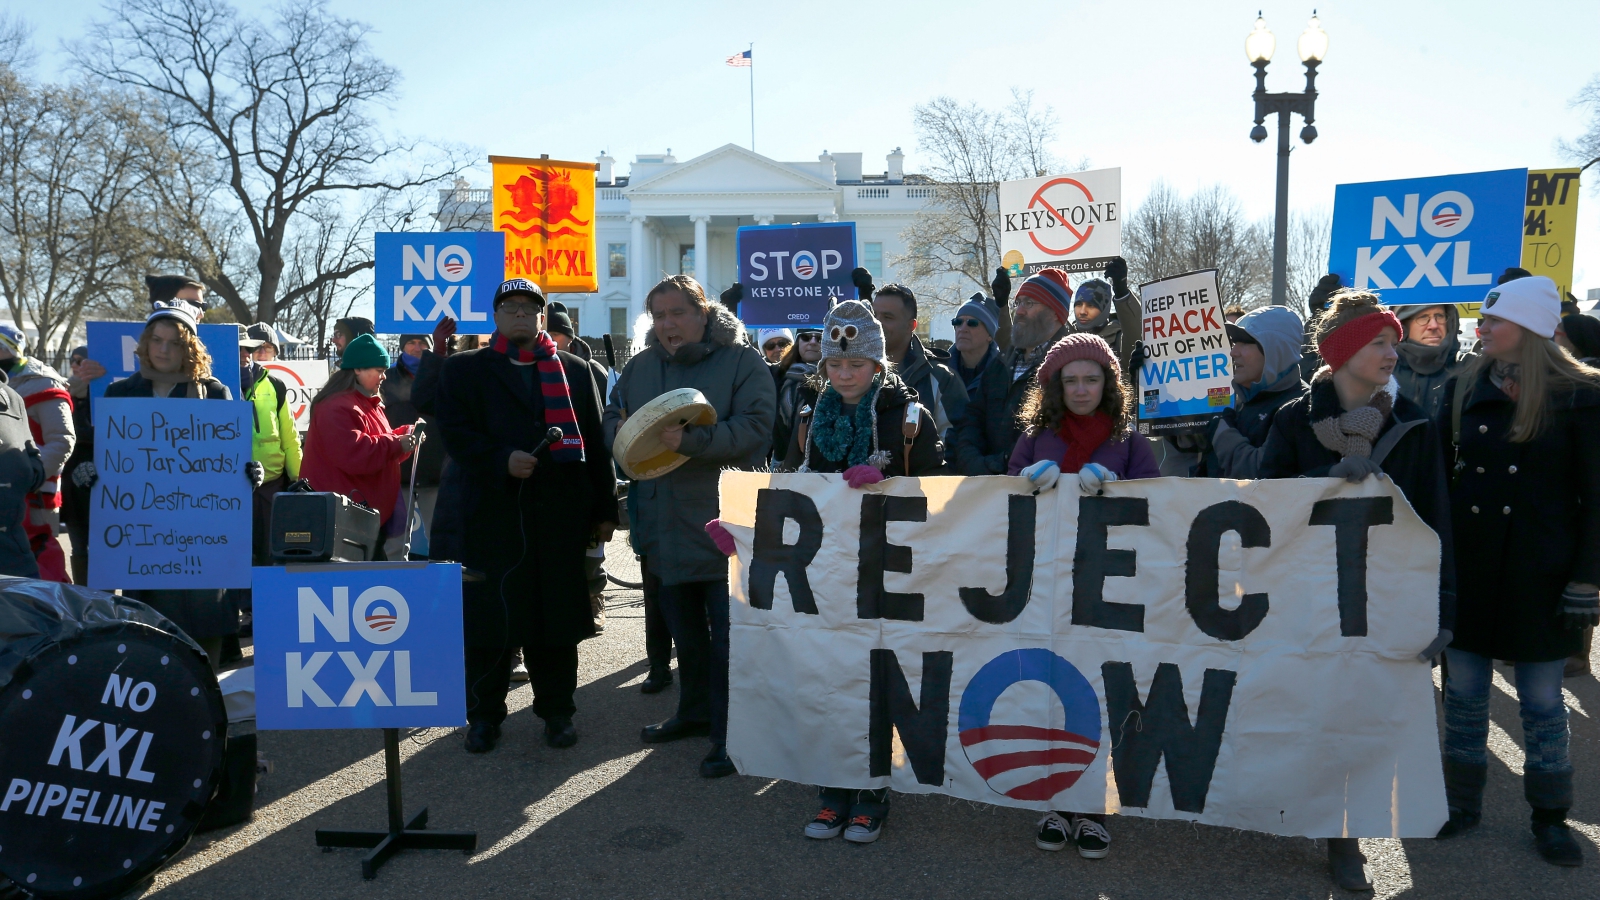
(670, 512)
(1236, 437)
(929, 373)
(1422, 371)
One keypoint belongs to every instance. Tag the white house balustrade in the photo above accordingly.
(667, 217)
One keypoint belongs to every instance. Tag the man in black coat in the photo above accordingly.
(23, 470)
(401, 408)
(530, 509)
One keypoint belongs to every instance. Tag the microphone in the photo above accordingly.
(552, 436)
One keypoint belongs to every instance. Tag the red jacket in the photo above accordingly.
(351, 450)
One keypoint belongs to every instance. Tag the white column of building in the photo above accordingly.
(700, 248)
(637, 272)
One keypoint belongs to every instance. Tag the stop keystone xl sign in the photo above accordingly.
(1072, 221)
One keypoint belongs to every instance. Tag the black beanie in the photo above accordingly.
(560, 323)
(165, 287)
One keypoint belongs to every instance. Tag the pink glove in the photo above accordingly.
(720, 537)
(861, 476)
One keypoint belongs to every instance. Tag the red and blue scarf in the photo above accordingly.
(553, 387)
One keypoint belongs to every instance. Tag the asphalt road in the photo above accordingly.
(613, 817)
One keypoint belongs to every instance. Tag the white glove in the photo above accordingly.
(1042, 474)
(1093, 478)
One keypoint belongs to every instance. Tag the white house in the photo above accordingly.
(668, 217)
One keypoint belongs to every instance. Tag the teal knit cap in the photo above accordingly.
(364, 353)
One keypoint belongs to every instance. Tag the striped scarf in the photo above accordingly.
(553, 386)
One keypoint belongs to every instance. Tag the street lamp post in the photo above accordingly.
(1313, 49)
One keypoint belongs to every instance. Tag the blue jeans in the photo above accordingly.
(697, 614)
(1544, 714)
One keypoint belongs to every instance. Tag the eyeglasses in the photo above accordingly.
(809, 336)
(969, 323)
(774, 345)
(518, 308)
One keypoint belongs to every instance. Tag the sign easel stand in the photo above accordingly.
(400, 835)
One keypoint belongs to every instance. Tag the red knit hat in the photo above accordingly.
(1343, 342)
(1051, 288)
(1079, 346)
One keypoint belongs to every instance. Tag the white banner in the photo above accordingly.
(1234, 653)
(1072, 221)
(303, 378)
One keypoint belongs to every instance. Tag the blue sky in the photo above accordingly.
(1161, 89)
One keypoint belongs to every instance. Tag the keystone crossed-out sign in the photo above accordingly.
(421, 276)
(359, 645)
(1429, 240)
(1071, 222)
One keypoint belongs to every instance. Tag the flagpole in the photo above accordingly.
(752, 97)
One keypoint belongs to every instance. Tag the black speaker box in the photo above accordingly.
(321, 527)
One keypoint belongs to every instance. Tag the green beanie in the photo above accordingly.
(364, 353)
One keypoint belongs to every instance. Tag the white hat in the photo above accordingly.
(1531, 302)
(767, 334)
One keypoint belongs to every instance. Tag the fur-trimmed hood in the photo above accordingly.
(723, 329)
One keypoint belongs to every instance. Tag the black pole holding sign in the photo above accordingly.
(400, 835)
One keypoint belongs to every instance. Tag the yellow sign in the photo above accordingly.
(1549, 224)
(546, 209)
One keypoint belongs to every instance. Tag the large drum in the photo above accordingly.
(112, 732)
(638, 448)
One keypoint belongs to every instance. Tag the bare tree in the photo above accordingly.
(1310, 236)
(285, 110)
(1586, 148)
(953, 245)
(1169, 234)
(75, 163)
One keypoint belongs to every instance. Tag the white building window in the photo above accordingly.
(619, 320)
(872, 259)
(617, 256)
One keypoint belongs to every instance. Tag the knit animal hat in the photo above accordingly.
(1077, 346)
(1050, 287)
(851, 331)
(13, 339)
(1353, 319)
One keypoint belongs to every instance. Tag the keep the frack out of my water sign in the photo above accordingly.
(792, 274)
(359, 645)
(1186, 377)
(421, 276)
(172, 506)
(1429, 240)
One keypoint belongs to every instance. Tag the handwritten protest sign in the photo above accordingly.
(1071, 222)
(1235, 653)
(172, 506)
(1187, 374)
(112, 344)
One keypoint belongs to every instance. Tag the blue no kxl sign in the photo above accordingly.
(359, 645)
(792, 274)
(1429, 240)
(422, 276)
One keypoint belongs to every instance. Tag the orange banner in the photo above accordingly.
(546, 209)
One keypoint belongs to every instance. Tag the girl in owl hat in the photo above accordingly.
(857, 416)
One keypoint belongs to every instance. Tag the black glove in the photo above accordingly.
(1326, 285)
(862, 279)
(254, 472)
(1580, 606)
(84, 475)
(1354, 469)
(732, 296)
(36, 460)
(1117, 274)
(1001, 285)
(1136, 358)
(1437, 645)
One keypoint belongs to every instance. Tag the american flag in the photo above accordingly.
(740, 60)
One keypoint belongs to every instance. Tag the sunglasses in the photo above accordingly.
(809, 336)
(970, 323)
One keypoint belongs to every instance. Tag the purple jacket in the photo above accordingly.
(1129, 458)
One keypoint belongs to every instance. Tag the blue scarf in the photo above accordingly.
(838, 436)
(410, 362)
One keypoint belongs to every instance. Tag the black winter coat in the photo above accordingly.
(21, 472)
(400, 407)
(1415, 465)
(527, 536)
(1527, 521)
(989, 428)
(1253, 421)
(201, 613)
(926, 459)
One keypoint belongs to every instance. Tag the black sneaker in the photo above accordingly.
(1092, 838)
(863, 828)
(1555, 843)
(828, 823)
(560, 733)
(481, 737)
(1459, 822)
(1053, 831)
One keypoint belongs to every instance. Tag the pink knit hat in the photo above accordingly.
(1079, 346)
